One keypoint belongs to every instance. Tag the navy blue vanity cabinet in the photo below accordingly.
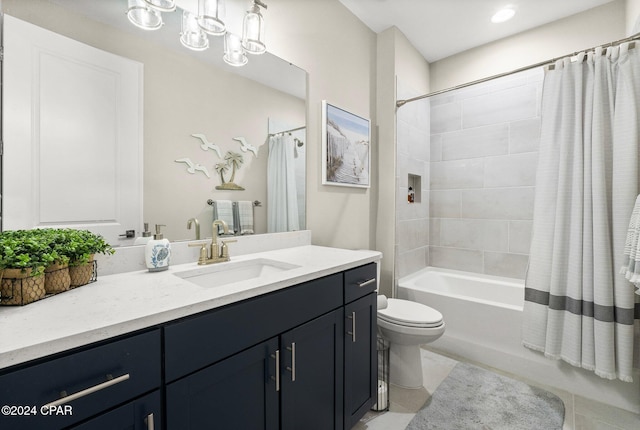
(360, 353)
(263, 363)
(239, 392)
(69, 388)
(144, 413)
(311, 374)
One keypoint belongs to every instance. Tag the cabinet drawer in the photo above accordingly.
(359, 282)
(196, 342)
(99, 377)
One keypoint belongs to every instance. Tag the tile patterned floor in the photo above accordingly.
(580, 413)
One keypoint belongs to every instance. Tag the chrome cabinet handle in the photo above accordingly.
(277, 377)
(66, 399)
(149, 422)
(367, 282)
(352, 317)
(292, 369)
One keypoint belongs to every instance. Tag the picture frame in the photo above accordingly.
(346, 148)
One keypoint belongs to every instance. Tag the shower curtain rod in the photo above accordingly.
(288, 131)
(400, 103)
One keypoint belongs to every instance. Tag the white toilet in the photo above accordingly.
(406, 325)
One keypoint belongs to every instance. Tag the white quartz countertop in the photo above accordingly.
(125, 302)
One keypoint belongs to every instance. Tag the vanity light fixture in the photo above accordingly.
(211, 14)
(504, 14)
(234, 54)
(143, 16)
(253, 29)
(209, 20)
(192, 36)
(162, 5)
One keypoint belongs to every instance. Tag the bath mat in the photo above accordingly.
(472, 398)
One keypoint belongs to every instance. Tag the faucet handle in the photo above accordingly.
(202, 259)
(224, 249)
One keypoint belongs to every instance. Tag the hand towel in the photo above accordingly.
(244, 219)
(223, 210)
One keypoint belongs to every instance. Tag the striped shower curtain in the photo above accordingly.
(578, 307)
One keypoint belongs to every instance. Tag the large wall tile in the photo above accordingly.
(455, 258)
(446, 117)
(457, 174)
(434, 231)
(510, 170)
(524, 136)
(502, 264)
(478, 142)
(497, 203)
(488, 235)
(411, 261)
(435, 142)
(500, 106)
(444, 204)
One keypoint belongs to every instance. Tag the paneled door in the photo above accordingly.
(72, 133)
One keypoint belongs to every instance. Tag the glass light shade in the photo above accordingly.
(143, 16)
(211, 16)
(162, 5)
(233, 52)
(253, 32)
(192, 36)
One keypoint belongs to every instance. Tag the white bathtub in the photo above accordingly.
(483, 315)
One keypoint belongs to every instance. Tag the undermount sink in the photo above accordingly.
(221, 274)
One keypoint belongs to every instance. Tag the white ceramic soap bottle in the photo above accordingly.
(157, 252)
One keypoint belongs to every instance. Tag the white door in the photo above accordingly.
(72, 132)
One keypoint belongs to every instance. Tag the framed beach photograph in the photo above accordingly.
(346, 148)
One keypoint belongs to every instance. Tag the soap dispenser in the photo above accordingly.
(146, 236)
(157, 252)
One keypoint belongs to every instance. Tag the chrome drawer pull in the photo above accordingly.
(277, 378)
(149, 422)
(353, 326)
(367, 282)
(66, 399)
(292, 369)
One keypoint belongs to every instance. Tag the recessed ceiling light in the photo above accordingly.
(503, 15)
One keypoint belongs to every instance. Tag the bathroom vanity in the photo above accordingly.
(291, 349)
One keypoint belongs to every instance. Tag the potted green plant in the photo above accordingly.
(23, 258)
(81, 246)
(56, 274)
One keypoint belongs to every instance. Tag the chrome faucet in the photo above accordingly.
(216, 254)
(194, 221)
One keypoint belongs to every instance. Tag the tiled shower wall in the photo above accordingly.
(412, 152)
(483, 157)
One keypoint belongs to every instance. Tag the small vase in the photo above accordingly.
(81, 274)
(18, 287)
(57, 278)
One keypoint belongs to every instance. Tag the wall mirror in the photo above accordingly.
(183, 93)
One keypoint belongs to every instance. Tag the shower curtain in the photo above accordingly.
(282, 198)
(578, 307)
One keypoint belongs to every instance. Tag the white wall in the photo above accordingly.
(632, 16)
(339, 53)
(582, 31)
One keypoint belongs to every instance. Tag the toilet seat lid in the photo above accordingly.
(408, 313)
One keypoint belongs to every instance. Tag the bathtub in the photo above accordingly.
(483, 314)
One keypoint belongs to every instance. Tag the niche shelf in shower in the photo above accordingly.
(414, 190)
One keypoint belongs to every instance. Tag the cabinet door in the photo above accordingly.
(311, 374)
(236, 393)
(142, 414)
(360, 358)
